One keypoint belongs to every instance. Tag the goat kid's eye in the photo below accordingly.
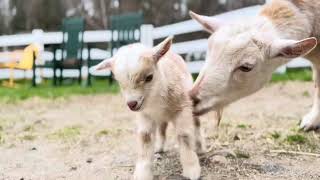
(246, 67)
(149, 78)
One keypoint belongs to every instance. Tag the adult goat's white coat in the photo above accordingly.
(242, 56)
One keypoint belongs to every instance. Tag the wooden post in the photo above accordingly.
(34, 84)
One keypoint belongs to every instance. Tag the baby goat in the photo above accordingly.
(155, 84)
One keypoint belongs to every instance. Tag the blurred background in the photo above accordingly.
(60, 40)
(18, 16)
(55, 111)
(46, 43)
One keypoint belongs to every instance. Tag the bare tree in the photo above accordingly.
(104, 13)
(48, 14)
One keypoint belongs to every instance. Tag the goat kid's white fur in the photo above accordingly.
(158, 82)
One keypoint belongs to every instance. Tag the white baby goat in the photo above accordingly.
(155, 84)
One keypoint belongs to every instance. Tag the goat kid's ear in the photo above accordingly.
(209, 24)
(104, 65)
(161, 49)
(291, 48)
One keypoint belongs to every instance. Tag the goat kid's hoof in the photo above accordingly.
(310, 122)
(142, 176)
(143, 172)
(200, 148)
(159, 151)
(192, 172)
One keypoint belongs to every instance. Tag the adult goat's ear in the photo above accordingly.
(291, 48)
(210, 24)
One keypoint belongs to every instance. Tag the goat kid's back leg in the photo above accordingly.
(185, 129)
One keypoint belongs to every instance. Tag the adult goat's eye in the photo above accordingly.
(149, 78)
(246, 67)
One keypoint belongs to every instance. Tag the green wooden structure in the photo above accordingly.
(71, 48)
(125, 30)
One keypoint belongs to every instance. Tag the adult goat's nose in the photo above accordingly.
(132, 104)
(194, 96)
(194, 92)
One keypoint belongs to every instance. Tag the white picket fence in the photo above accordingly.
(148, 35)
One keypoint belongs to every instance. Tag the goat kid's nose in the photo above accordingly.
(132, 104)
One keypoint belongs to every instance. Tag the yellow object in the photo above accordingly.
(20, 60)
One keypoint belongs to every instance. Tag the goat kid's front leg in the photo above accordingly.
(188, 157)
(161, 137)
(146, 138)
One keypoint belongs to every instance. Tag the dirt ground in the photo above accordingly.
(92, 137)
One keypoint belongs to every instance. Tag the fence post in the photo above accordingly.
(38, 40)
(38, 36)
(34, 83)
(146, 36)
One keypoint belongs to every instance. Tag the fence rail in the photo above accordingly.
(148, 35)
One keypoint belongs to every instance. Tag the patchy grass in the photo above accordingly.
(47, 90)
(295, 129)
(2, 139)
(28, 137)
(8, 121)
(28, 128)
(103, 133)
(275, 135)
(306, 94)
(293, 75)
(242, 126)
(247, 158)
(296, 139)
(242, 154)
(66, 133)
